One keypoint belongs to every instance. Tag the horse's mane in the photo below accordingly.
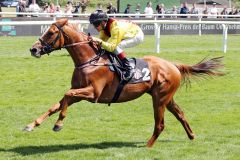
(83, 36)
(75, 27)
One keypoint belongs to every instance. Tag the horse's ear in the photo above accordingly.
(62, 22)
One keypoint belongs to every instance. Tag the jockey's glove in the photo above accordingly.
(97, 40)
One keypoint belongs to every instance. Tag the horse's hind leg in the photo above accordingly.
(178, 113)
(161, 95)
(55, 108)
(159, 123)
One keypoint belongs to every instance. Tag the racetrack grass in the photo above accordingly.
(30, 86)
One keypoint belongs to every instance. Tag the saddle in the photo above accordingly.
(141, 72)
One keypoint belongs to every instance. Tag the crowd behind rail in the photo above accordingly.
(71, 9)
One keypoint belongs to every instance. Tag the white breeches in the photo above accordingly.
(130, 42)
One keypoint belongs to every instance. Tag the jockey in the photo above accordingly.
(115, 35)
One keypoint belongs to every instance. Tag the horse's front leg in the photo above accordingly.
(82, 93)
(55, 108)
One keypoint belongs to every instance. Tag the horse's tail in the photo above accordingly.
(205, 67)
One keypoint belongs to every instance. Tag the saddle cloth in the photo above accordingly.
(141, 70)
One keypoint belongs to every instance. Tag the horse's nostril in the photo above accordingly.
(33, 50)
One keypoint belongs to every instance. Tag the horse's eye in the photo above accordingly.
(50, 34)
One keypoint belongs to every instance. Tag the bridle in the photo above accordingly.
(48, 48)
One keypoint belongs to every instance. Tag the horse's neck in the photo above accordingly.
(81, 52)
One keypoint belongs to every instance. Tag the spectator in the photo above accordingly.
(34, 7)
(111, 9)
(214, 11)
(224, 12)
(0, 9)
(28, 2)
(46, 9)
(52, 8)
(233, 11)
(236, 12)
(174, 11)
(127, 10)
(77, 9)
(84, 4)
(184, 9)
(148, 9)
(160, 10)
(84, 10)
(194, 10)
(21, 7)
(137, 11)
(58, 11)
(68, 9)
(46, 5)
(99, 7)
(138, 7)
(205, 12)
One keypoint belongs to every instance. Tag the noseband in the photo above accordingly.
(48, 48)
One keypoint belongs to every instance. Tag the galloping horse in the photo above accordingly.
(93, 81)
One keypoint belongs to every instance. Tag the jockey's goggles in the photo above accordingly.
(96, 24)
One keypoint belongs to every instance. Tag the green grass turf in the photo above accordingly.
(30, 86)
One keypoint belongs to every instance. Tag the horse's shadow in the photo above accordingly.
(31, 150)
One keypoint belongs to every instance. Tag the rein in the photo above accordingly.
(94, 62)
(74, 44)
(48, 48)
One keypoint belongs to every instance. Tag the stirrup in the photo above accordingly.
(129, 76)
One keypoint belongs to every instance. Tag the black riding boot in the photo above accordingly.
(129, 70)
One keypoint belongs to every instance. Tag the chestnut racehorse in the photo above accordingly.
(93, 81)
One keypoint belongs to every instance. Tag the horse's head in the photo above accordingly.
(51, 40)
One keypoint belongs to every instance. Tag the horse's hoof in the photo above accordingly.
(28, 129)
(57, 128)
(150, 144)
(191, 137)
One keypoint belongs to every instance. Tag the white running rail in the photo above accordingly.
(156, 21)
